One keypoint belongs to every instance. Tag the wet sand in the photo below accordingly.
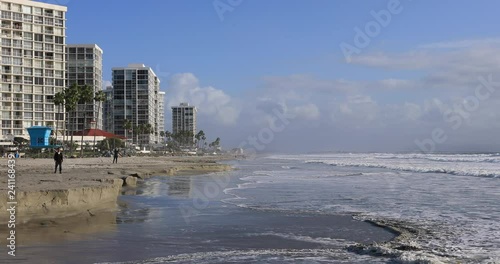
(150, 224)
(87, 186)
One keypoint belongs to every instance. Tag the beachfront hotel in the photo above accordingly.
(84, 67)
(135, 93)
(33, 38)
(184, 118)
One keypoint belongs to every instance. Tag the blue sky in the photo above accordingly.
(279, 51)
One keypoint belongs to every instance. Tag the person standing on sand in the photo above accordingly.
(58, 158)
(115, 155)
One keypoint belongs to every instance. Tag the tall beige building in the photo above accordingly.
(135, 98)
(33, 38)
(184, 118)
(84, 67)
(160, 115)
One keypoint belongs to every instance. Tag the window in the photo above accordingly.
(38, 46)
(38, 81)
(28, 115)
(28, 71)
(6, 60)
(17, 16)
(27, 27)
(59, 23)
(59, 82)
(37, 29)
(59, 40)
(17, 61)
(38, 37)
(27, 9)
(28, 18)
(6, 42)
(28, 36)
(28, 45)
(38, 64)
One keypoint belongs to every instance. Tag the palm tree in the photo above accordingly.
(149, 130)
(127, 125)
(86, 96)
(99, 97)
(199, 136)
(71, 97)
(203, 138)
(140, 130)
(162, 135)
(58, 101)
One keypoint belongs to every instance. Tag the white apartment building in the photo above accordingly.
(135, 90)
(184, 118)
(84, 67)
(33, 38)
(160, 115)
(107, 111)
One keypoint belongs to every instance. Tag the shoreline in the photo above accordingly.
(89, 185)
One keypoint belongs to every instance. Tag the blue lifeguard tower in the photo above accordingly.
(39, 137)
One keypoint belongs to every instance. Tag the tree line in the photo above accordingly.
(186, 139)
(69, 99)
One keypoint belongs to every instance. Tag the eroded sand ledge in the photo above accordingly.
(89, 185)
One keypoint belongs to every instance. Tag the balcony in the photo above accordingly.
(18, 117)
(18, 126)
(6, 125)
(18, 99)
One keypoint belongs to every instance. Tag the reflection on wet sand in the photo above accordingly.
(180, 187)
(72, 228)
(131, 213)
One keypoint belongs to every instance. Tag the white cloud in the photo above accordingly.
(211, 102)
(383, 114)
(460, 44)
(307, 112)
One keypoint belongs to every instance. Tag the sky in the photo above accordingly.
(323, 75)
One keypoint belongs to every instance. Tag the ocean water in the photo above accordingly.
(324, 208)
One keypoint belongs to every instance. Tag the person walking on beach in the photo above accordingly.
(115, 156)
(58, 158)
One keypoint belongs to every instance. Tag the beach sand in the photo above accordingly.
(87, 185)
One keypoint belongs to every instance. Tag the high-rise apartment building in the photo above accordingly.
(160, 114)
(107, 111)
(135, 90)
(33, 65)
(84, 67)
(184, 118)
